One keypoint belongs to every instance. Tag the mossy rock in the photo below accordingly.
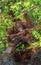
(36, 59)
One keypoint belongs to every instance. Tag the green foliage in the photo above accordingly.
(20, 48)
(36, 34)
